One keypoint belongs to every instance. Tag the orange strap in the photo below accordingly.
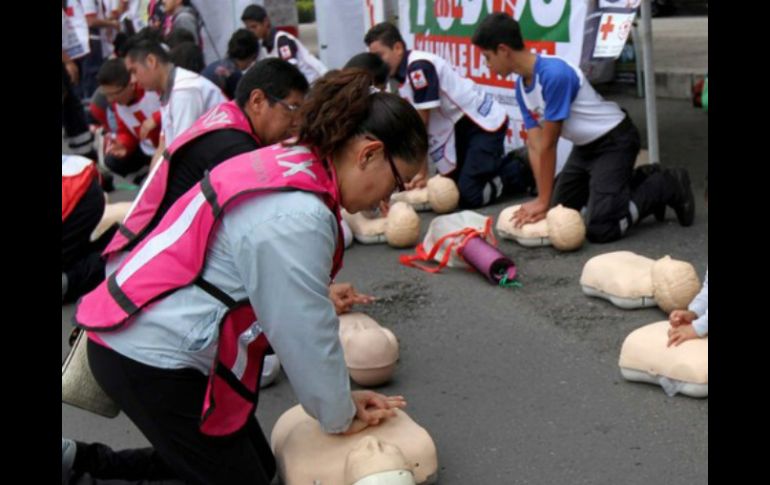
(466, 233)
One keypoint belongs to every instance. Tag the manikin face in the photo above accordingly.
(391, 56)
(371, 456)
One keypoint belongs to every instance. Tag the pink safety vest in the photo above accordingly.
(224, 116)
(173, 256)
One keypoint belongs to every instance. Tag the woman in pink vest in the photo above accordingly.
(241, 263)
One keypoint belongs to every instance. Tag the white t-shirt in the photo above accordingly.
(560, 92)
(191, 96)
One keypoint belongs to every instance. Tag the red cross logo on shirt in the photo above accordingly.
(418, 79)
(607, 28)
(523, 133)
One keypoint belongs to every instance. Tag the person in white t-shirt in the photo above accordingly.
(184, 95)
(556, 100)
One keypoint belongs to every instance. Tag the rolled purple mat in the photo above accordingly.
(488, 260)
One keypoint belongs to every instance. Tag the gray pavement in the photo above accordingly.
(522, 386)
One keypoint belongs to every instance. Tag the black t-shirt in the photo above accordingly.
(190, 162)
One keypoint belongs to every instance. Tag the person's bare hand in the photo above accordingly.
(682, 333)
(372, 408)
(530, 212)
(147, 126)
(384, 208)
(344, 296)
(681, 317)
(418, 181)
(117, 149)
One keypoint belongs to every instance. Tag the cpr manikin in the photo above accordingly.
(645, 357)
(401, 228)
(674, 283)
(622, 277)
(566, 229)
(113, 214)
(306, 455)
(629, 281)
(376, 462)
(562, 228)
(440, 195)
(371, 351)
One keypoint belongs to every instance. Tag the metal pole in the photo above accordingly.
(636, 38)
(649, 84)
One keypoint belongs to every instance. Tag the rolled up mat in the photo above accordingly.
(498, 268)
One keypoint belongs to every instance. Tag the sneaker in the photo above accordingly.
(271, 368)
(638, 176)
(683, 201)
(68, 449)
(108, 182)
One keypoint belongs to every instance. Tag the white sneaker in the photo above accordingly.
(271, 368)
(68, 449)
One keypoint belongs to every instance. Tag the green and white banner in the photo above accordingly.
(445, 28)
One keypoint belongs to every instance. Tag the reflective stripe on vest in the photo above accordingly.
(224, 116)
(180, 243)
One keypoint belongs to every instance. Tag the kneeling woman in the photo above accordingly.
(241, 264)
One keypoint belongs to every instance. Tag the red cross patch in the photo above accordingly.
(285, 52)
(418, 79)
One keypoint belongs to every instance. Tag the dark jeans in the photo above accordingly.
(73, 118)
(166, 404)
(80, 257)
(597, 176)
(482, 172)
(91, 64)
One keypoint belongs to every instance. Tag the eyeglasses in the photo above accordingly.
(400, 187)
(291, 108)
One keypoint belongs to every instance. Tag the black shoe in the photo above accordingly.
(108, 184)
(74, 336)
(683, 200)
(638, 176)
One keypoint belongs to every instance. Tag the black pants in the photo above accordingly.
(98, 464)
(166, 405)
(131, 163)
(598, 176)
(91, 64)
(80, 257)
(73, 117)
(482, 173)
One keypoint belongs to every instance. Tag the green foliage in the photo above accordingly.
(306, 11)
